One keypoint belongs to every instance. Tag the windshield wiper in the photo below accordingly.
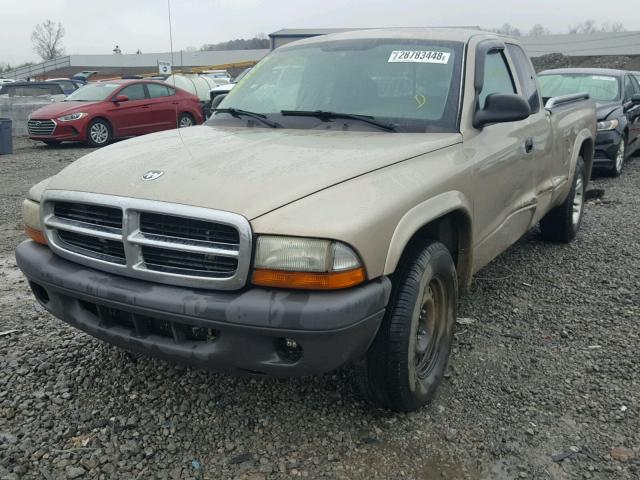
(236, 112)
(325, 116)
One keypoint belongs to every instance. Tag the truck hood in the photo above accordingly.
(250, 171)
(61, 108)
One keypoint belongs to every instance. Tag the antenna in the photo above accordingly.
(170, 32)
(172, 63)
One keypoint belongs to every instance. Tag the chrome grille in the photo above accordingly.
(41, 127)
(157, 241)
(89, 214)
(107, 250)
(176, 227)
(200, 264)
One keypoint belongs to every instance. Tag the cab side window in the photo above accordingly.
(134, 92)
(526, 75)
(497, 77)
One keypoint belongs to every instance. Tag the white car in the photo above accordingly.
(6, 80)
(223, 90)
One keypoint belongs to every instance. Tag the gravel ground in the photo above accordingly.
(543, 380)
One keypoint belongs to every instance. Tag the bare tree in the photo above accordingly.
(614, 27)
(47, 39)
(588, 26)
(538, 30)
(508, 30)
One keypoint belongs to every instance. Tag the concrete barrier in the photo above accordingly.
(19, 108)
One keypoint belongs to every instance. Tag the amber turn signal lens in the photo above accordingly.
(35, 235)
(308, 280)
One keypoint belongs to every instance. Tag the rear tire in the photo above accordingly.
(186, 120)
(407, 360)
(99, 133)
(563, 222)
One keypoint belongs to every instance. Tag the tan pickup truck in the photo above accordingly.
(330, 212)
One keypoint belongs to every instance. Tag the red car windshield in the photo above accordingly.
(93, 92)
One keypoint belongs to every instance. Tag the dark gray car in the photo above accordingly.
(617, 96)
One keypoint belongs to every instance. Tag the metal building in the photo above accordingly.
(116, 65)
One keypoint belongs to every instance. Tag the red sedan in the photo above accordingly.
(99, 112)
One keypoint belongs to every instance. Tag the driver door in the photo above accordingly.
(504, 174)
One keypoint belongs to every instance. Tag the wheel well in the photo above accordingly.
(586, 152)
(453, 230)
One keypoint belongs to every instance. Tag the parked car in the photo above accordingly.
(84, 76)
(6, 80)
(68, 86)
(617, 93)
(99, 112)
(221, 75)
(31, 89)
(222, 90)
(331, 217)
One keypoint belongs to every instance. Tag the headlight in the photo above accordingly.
(72, 116)
(31, 219)
(307, 263)
(608, 125)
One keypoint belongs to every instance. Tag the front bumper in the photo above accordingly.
(606, 147)
(74, 130)
(240, 332)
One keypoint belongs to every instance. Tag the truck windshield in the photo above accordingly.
(94, 92)
(411, 85)
(602, 88)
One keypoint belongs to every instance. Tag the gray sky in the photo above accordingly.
(95, 26)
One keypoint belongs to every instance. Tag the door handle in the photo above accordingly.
(528, 145)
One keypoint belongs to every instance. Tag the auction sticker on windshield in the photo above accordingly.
(419, 56)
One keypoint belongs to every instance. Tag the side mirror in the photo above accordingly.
(501, 108)
(121, 98)
(217, 101)
(635, 99)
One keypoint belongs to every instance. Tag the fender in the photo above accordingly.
(425, 213)
(563, 188)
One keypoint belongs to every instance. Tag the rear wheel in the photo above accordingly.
(563, 222)
(186, 120)
(99, 133)
(408, 358)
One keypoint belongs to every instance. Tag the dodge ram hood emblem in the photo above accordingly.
(152, 175)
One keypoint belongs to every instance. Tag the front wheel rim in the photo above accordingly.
(185, 122)
(620, 156)
(429, 331)
(578, 200)
(99, 133)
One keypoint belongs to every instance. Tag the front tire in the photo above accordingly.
(407, 360)
(99, 133)
(618, 162)
(563, 222)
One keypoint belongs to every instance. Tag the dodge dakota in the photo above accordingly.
(330, 212)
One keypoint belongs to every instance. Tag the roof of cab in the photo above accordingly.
(417, 33)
